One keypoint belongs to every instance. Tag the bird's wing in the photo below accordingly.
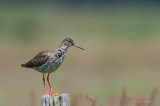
(40, 59)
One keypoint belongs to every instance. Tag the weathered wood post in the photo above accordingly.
(55, 100)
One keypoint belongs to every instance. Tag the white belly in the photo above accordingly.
(50, 66)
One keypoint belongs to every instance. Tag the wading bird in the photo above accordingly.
(48, 61)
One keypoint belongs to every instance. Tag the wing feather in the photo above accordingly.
(40, 59)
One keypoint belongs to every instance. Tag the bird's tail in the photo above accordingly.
(23, 65)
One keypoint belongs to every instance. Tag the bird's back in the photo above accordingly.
(46, 61)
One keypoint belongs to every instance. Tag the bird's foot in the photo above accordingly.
(46, 93)
(51, 92)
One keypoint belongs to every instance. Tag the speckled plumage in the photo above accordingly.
(49, 60)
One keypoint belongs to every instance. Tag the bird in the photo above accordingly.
(49, 61)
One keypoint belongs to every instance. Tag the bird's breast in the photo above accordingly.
(54, 64)
(51, 65)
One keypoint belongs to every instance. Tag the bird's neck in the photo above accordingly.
(63, 47)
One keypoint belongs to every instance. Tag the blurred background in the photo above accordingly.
(122, 53)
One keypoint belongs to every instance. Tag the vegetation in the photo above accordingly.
(122, 51)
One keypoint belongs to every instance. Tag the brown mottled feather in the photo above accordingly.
(40, 59)
(45, 57)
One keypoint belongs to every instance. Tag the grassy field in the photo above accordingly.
(122, 52)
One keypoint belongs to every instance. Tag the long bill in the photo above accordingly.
(78, 47)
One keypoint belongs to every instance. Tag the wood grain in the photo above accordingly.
(55, 100)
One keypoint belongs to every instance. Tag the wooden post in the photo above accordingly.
(53, 100)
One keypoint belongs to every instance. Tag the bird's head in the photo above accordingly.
(68, 42)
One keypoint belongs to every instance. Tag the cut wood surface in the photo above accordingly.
(55, 100)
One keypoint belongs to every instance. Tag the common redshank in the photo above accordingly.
(48, 61)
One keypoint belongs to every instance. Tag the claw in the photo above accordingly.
(46, 93)
(51, 92)
(54, 93)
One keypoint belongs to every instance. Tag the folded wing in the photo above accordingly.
(40, 59)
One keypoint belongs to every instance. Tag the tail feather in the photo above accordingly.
(28, 64)
(23, 65)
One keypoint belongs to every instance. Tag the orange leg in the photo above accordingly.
(51, 91)
(45, 86)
